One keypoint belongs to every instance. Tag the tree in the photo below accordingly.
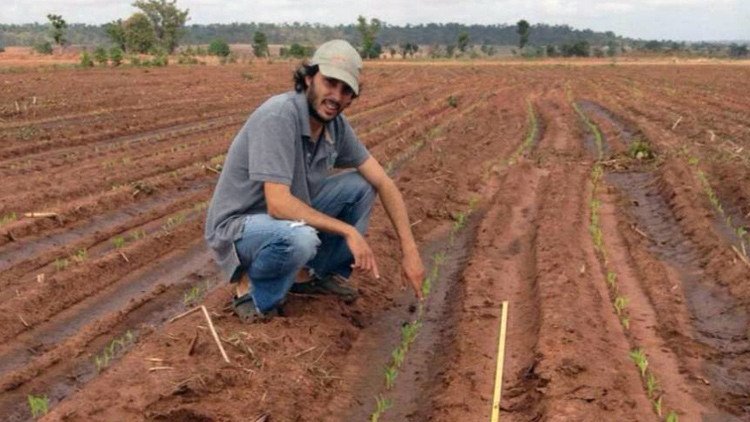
(139, 34)
(167, 20)
(737, 50)
(409, 48)
(463, 41)
(218, 47)
(58, 28)
(523, 29)
(116, 33)
(260, 44)
(370, 49)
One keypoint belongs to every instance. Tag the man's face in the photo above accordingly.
(327, 97)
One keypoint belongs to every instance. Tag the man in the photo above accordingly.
(281, 217)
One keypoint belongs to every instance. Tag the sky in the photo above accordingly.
(682, 20)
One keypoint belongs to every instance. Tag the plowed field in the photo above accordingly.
(608, 204)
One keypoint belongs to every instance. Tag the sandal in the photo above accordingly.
(333, 284)
(245, 309)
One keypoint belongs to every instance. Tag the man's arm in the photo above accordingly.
(284, 206)
(393, 202)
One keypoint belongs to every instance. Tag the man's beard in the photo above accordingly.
(311, 100)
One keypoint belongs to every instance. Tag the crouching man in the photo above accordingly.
(281, 216)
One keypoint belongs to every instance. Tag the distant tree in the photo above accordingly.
(58, 28)
(551, 51)
(737, 51)
(370, 49)
(116, 33)
(297, 51)
(409, 48)
(653, 45)
(168, 21)
(139, 34)
(86, 59)
(218, 47)
(260, 44)
(43, 47)
(578, 49)
(611, 48)
(100, 56)
(462, 41)
(115, 55)
(523, 29)
(450, 49)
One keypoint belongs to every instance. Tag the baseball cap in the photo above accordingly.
(338, 59)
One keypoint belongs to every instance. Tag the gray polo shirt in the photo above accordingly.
(274, 146)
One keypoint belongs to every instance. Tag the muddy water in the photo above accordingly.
(719, 321)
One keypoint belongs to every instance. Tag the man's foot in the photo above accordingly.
(245, 309)
(330, 285)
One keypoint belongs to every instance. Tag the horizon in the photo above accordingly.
(673, 20)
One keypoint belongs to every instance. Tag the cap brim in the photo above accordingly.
(336, 73)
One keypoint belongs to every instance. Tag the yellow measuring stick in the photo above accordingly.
(500, 360)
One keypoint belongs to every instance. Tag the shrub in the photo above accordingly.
(135, 60)
(218, 47)
(115, 55)
(86, 60)
(43, 47)
(100, 55)
(160, 59)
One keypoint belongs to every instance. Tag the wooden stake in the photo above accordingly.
(122, 254)
(211, 169)
(216, 336)
(40, 215)
(674, 126)
(500, 360)
(637, 230)
(159, 368)
(24, 321)
(184, 314)
(193, 342)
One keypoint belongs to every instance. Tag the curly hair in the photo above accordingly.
(304, 69)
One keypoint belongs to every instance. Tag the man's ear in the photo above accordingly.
(308, 80)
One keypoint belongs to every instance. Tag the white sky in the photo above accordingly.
(690, 20)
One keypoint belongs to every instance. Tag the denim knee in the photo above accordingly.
(304, 242)
(355, 183)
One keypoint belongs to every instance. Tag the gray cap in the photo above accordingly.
(338, 59)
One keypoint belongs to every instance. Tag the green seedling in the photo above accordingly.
(693, 161)
(639, 358)
(409, 332)
(611, 279)
(103, 359)
(390, 377)
(80, 256)
(61, 264)
(439, 258)
(381, 405)
(460, 221)
(453, 101)
(426, 286)
(8, 218)
(192, 296)
(398, 356)
(640, 150)
(137, 234)
(620, 303)
(118, 242)
(625, 321)
(657, 406)
(652, 386)
(672, 417)
(39, 406)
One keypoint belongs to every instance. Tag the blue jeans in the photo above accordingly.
(273, 251)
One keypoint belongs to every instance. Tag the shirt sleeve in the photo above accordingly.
(351, 152)
(271, 149)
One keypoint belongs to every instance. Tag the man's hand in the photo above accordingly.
(413, 270)
(364, 258)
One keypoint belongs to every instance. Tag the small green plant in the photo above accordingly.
(118, 242)
(639, 358)
(103, 359)
(61, 264)
(652, 386)
(8, 218)
(620, 303)
(672, 417)
(137, 234)
(459, 221)
(625, 321)
(38, 405)
(453, 101)
(381, 405)
(80, 256)
(192, 295)
(390, 377)
(640, 150)
(43, 47)
(398, 356)
(611, 279)
(657, 405)
(426, 286)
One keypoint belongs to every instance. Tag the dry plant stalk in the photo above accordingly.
(216, 336)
